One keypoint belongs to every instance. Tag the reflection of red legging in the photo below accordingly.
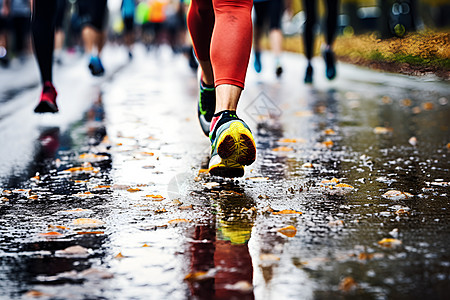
(221, 32)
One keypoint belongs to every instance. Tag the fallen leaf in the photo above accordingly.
(58, 227)
(428, 106)
(332, 181)
(328, 143)
(329, 131)
(51, 234)
(382, 130)
(406, 102)
(148, 153)
(119, 256)
(307, 165)
(365, 256)
(286, 212)
(289, 231)
(388, 242)
(133, 190)
(33, 197)
(85, 222)
(283, 149)
(76, 250)
(401, 212)
(286, 140)
(36, 294)
(145, 245)
(344, 185)
(347, 284)
(160, 211)
(202, 171)
(92, 157)
(102, 187)
(155, 197)
(177, 221)
(200, 275)
(396, 195)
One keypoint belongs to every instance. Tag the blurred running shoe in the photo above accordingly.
(232, 145)
(96, 67)
(47, 103)
(278, 69)
(330, 63)
(257, 63)
(206, 106)
(309, 74)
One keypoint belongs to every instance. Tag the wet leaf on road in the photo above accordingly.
(294, 141)
(37, 294)
(178, 221)
(289, 231)
(382, 130)
(283, 149)
(388, 242)
(344, 186)
(89, 223)
(347, 284)
(329, 131)
(51, 234)
(396, 195)
(74, 251)
(286, 212)
(134, 190)
(155, 197)
(327, 143)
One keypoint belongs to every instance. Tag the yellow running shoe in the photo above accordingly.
(232, 146)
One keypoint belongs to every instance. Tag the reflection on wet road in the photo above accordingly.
(348, 197)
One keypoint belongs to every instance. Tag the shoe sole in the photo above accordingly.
(235, 149)
(45, 107)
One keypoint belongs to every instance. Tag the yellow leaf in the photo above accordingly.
(87, 222)
(51, 234)
(382, 130)
(286, 140)
(344, 185)
(202, 171)
(282, 149)
(155, 197)
(133, 190)
(388, 242)
(286, 212)
(102, 187)
(327, 143)
(145, 245)
(176, 221)
(160, 211)
(198, 276)
(119, 256)
(58, 227)
(289, 231)
(148, 153)
(427, 106)
(307, 165)
(347, 284)
(329, 131)
(331, 181)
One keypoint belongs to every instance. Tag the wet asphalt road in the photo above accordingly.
(348, 197)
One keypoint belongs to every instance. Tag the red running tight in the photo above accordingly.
(221, 31)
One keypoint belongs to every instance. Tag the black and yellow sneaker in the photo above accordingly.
(206, 106)
(232, 145)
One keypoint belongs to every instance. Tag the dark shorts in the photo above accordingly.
(60, 13)
(93, 13)
(268, 13)
(128, 22)
(4, 23)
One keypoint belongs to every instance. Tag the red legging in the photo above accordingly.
(221, 31)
